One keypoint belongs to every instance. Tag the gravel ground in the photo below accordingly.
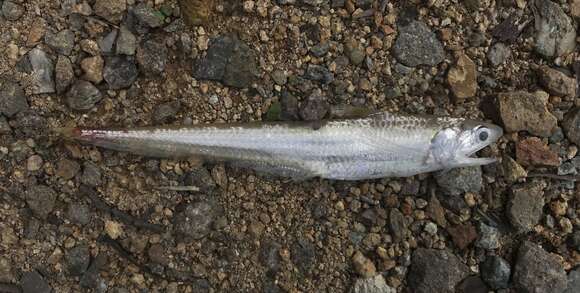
(75, 218)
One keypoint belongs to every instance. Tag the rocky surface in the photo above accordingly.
(538, 271)
(526, 204)
(526, 111)
(435, 270)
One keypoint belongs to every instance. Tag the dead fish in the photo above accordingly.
(379, 145)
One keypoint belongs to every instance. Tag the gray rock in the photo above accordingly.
(574, 240)
(375, 284)
(111, 10)
(91, 175)
(320, 50)
(228, 60)
(64, 74)
(279, 77)
(397, 224)
(270, 256)
(417, 45)
(523, 111)
(91, 278)
(11, 10)
(313, 2)
(496, 272)
(435, 271)
(354, 51)
(42, 72)
(567, 168)
(472, 284)
(488, 237)
(120, 72)
(498, 54)
(304, 255)
(289, 106)
(460, 180)
(33, 282)
(314, 108)
(12, 98)
(571, 125)
(165, 111)
(126, 42)
(195, 221)
(555, 31)
(107, 43)
(83, 96)
(557, 82)
(41, 200)
(319, 73)
(538, 271)
(152, 57)
(526, 205)
(337, 3)
(77, 260)
(79, 213)
(573, 281)
(148, 16)
(62, 42)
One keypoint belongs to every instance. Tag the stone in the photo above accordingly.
(41, 200)
(62, 42)
(363, 266)
(462, 78)
(228, 60)
(537, 270)
(42, 72)
(557, 82)
(417, 45)
(83, 96)
(34, 163)
(166, 111)
(93, 68)
(64, 74)
(498, 54)
(314, 108)
(67, 169)
(435, 271)
(320, 50)
(107, 43)
(288, 107)
(513, 171)
(79, 213)
(575, 8)
(195, 221)
(354, 51)
(126, 42)
(472, 284)
(319, 73)
(303, 254)
(571, 125)
(111, 10)
(114, 229)
(157, 255)
(279, 77)
(270, 256)
(488, 237)
(91, 175)
(525, 205)
(462, 235)
(12, 98)
(375, 284)
(573, 280)
(6, 274)
(33, 282)
(91, 47)
(533, 152)
(555, 31)
(496, 272)
(397, 224)
(120, 72)
(11, 10)
(148, 16)
(460, 180)
(523, 111)
(36, 32)
(436, 211)
(152, 57)
(77, 260)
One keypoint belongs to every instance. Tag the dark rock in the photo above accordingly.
(537, 270)
(462, 235)
(166, 111)
(435, 271)
(148, 16)
(337, 3)
(311, 31)
(555, 31)
(196, 220)
(417, 45)
(279, 77)
(4, 126)
(533, 152)
(91, 278)
(157, 255)
(526, 111)
(42, 72)
(574, 240)
(79, 213)
(33, 282)
(12, 98)
(62, 42)
(508, 30)
(11, 10)
(270, 256)
(201, 178)
(314, 108)
(107, 43)
(573, 281)
(567, 168)
(64, 74)
(83, 96)
(67, 169)
(78, 260)
(526, 205)
(557, 82)
(472, 284)
(111, 10)
(319, 73)
(320, 50)
(289, 106)
(397, 225)
(91, 175)
(29, 123)
(460, 180)
(498, 54)
(120, 72)
(41, 200)
(375, 284)
(488, 237)
(496, 272)
(571, 125)
(152, 57)
(126, 42)
(304, 255)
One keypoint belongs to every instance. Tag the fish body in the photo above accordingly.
(379, 145)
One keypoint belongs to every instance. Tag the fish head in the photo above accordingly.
(453, 146)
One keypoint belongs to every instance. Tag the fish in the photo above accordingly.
(378, 145)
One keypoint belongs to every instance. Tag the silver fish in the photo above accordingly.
(376, 146)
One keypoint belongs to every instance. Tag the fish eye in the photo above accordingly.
(483, 135)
